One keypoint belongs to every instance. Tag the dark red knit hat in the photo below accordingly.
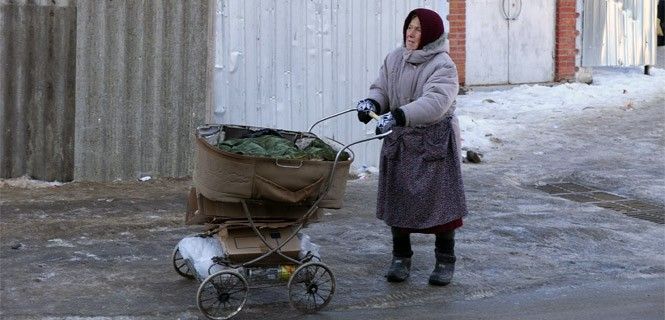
(431, 25)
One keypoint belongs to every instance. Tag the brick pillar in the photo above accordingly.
(457, 36)
(566, 33)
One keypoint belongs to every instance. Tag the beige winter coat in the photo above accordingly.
(423, 82)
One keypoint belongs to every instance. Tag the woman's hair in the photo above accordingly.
(431, 26)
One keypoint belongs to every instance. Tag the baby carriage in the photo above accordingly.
(253, 209)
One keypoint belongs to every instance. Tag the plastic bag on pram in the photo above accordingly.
(202, 251)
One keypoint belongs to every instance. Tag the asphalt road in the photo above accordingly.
(626, 300)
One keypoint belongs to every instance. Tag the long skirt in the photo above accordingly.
(420, 178)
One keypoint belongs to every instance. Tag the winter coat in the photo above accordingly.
(420, 182)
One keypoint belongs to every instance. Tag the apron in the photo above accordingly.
(420, 178)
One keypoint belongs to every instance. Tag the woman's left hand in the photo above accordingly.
(385, 123)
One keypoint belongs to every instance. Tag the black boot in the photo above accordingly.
(401, 264)
(399, 269)
(443, 270)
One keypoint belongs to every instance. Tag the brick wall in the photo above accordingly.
(457, 36)
(566, 32)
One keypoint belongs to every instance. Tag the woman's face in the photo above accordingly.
(413, 34)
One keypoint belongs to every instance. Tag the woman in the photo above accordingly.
(420, 182)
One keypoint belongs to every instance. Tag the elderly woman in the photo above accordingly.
(420, 181)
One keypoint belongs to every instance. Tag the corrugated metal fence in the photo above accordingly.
(141, 87)
(37, 61)
(101, 90)
(288, 63)
(619, 33)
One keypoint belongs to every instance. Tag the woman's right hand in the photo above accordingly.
(364, 107)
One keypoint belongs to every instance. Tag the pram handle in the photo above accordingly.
(330, 117)
(372, 114)
(332, 170)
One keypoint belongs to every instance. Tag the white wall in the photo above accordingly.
(285, 64)
(619, 33)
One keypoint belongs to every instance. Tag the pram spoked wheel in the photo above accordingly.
(180, 265)
(311, 287)
(222, 295)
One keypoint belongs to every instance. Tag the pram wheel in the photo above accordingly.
(222, 295)
(180, 265)
(311, 287)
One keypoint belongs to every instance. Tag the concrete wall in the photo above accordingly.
(37, 81)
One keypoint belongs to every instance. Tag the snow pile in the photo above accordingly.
(488, 116)
(364, 171)
(26, 182)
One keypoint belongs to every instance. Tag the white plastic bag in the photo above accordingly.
(200, 251)
(307, 246)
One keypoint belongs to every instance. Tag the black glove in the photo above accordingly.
(364, 107)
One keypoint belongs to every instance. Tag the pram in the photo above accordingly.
(272, 199)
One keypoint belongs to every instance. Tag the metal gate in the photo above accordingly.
(510, 41)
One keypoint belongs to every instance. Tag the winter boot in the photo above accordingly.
(443, 270)
(399, 269)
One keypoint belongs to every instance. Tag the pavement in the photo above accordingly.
(615, 300)
(103, 250)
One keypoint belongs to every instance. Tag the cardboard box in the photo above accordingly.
(242, 244)
(201, 210)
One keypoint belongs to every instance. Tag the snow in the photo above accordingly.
(28, 183)
(487, 116)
